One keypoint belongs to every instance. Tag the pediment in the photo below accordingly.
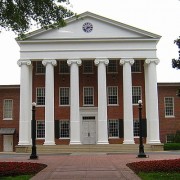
(102, 28)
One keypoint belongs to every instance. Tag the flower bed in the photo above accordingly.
(20, 168)
(172, 165)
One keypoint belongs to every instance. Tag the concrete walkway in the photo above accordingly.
(88, 166)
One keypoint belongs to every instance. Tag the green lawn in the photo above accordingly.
(23, 177)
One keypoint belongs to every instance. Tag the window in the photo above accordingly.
(88, 96)
(136, 128)
(40, 69)
(169, 106)
(64, 129)
(170, 138)
(8, 109)
(63, 67)
(113, 95)
(136, 67)
(136, 94)
(40, 96)
(40, 129)
(64, 96)
(112, 66)
(87, 67)
(113, 128)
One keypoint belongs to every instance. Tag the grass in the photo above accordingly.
(23, 177)
(159, 176)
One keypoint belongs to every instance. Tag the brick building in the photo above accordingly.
(86, 79)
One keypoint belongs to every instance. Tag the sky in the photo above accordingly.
(157, 16)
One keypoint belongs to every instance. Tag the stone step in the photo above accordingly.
(108, 148)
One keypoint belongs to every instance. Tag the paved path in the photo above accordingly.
(88, 166)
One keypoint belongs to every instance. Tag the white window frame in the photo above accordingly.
(136, 94)
(67, 88)
(92, 95)
(116, 67)
(64, 69)
(61, 122)
(136, 67)
(41, 69)
(37, 121)
(108, 95)
(114, 121)
(165, 106)
(40, 96)
(91, 66)
(8, 111)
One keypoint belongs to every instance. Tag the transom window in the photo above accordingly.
(87, 67)
(136, 67)
(8, 109)
(112, 66)
(64, 96)
(113, 128)
(63, 67)
(88, 93)
(136, 128)
(64, 129)
(40, 129)
(40, 69)
(169, 106)
(112, 95)
(136, 94)
(40, 96)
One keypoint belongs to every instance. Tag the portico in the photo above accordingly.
(124, 44)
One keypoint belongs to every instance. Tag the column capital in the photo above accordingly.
(156, 61)
(101, 60)
(49, 61)
(24, 62)
(74, 61)
(126, 60)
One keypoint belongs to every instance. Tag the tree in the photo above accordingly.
(176, 62)
(20, 15)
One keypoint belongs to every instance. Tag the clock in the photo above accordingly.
(87, 27)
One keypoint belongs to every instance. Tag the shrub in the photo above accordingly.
(172, 165)
(171, 146)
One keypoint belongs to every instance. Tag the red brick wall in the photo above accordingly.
(168, 125)
(10, 93)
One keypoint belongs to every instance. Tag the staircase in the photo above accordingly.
(106, 148)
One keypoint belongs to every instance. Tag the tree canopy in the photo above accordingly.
(20, 15)
(176, 62)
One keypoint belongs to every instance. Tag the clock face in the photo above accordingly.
(87, 27)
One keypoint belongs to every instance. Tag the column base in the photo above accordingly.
(24, 143)
(75, 142)
(102, 142)
(49, 143)
(128, 142)
(154, 142)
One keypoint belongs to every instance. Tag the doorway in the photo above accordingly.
(8, 143)
(88, 130)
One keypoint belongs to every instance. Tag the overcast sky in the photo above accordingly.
(157, 16)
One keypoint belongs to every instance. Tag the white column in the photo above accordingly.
(49, 102)
(127, 98)
(102, 101)
(152, 108)
(25, 102)
(74, 98)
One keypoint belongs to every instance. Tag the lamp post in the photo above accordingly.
(141, 146)
(33, 132)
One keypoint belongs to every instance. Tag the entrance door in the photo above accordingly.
(8, 143)
(88, 130)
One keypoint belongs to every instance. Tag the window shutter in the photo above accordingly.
(144, 128)
(57, 129)
(121, 128)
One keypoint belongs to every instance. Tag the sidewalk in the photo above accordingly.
(88, 166)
